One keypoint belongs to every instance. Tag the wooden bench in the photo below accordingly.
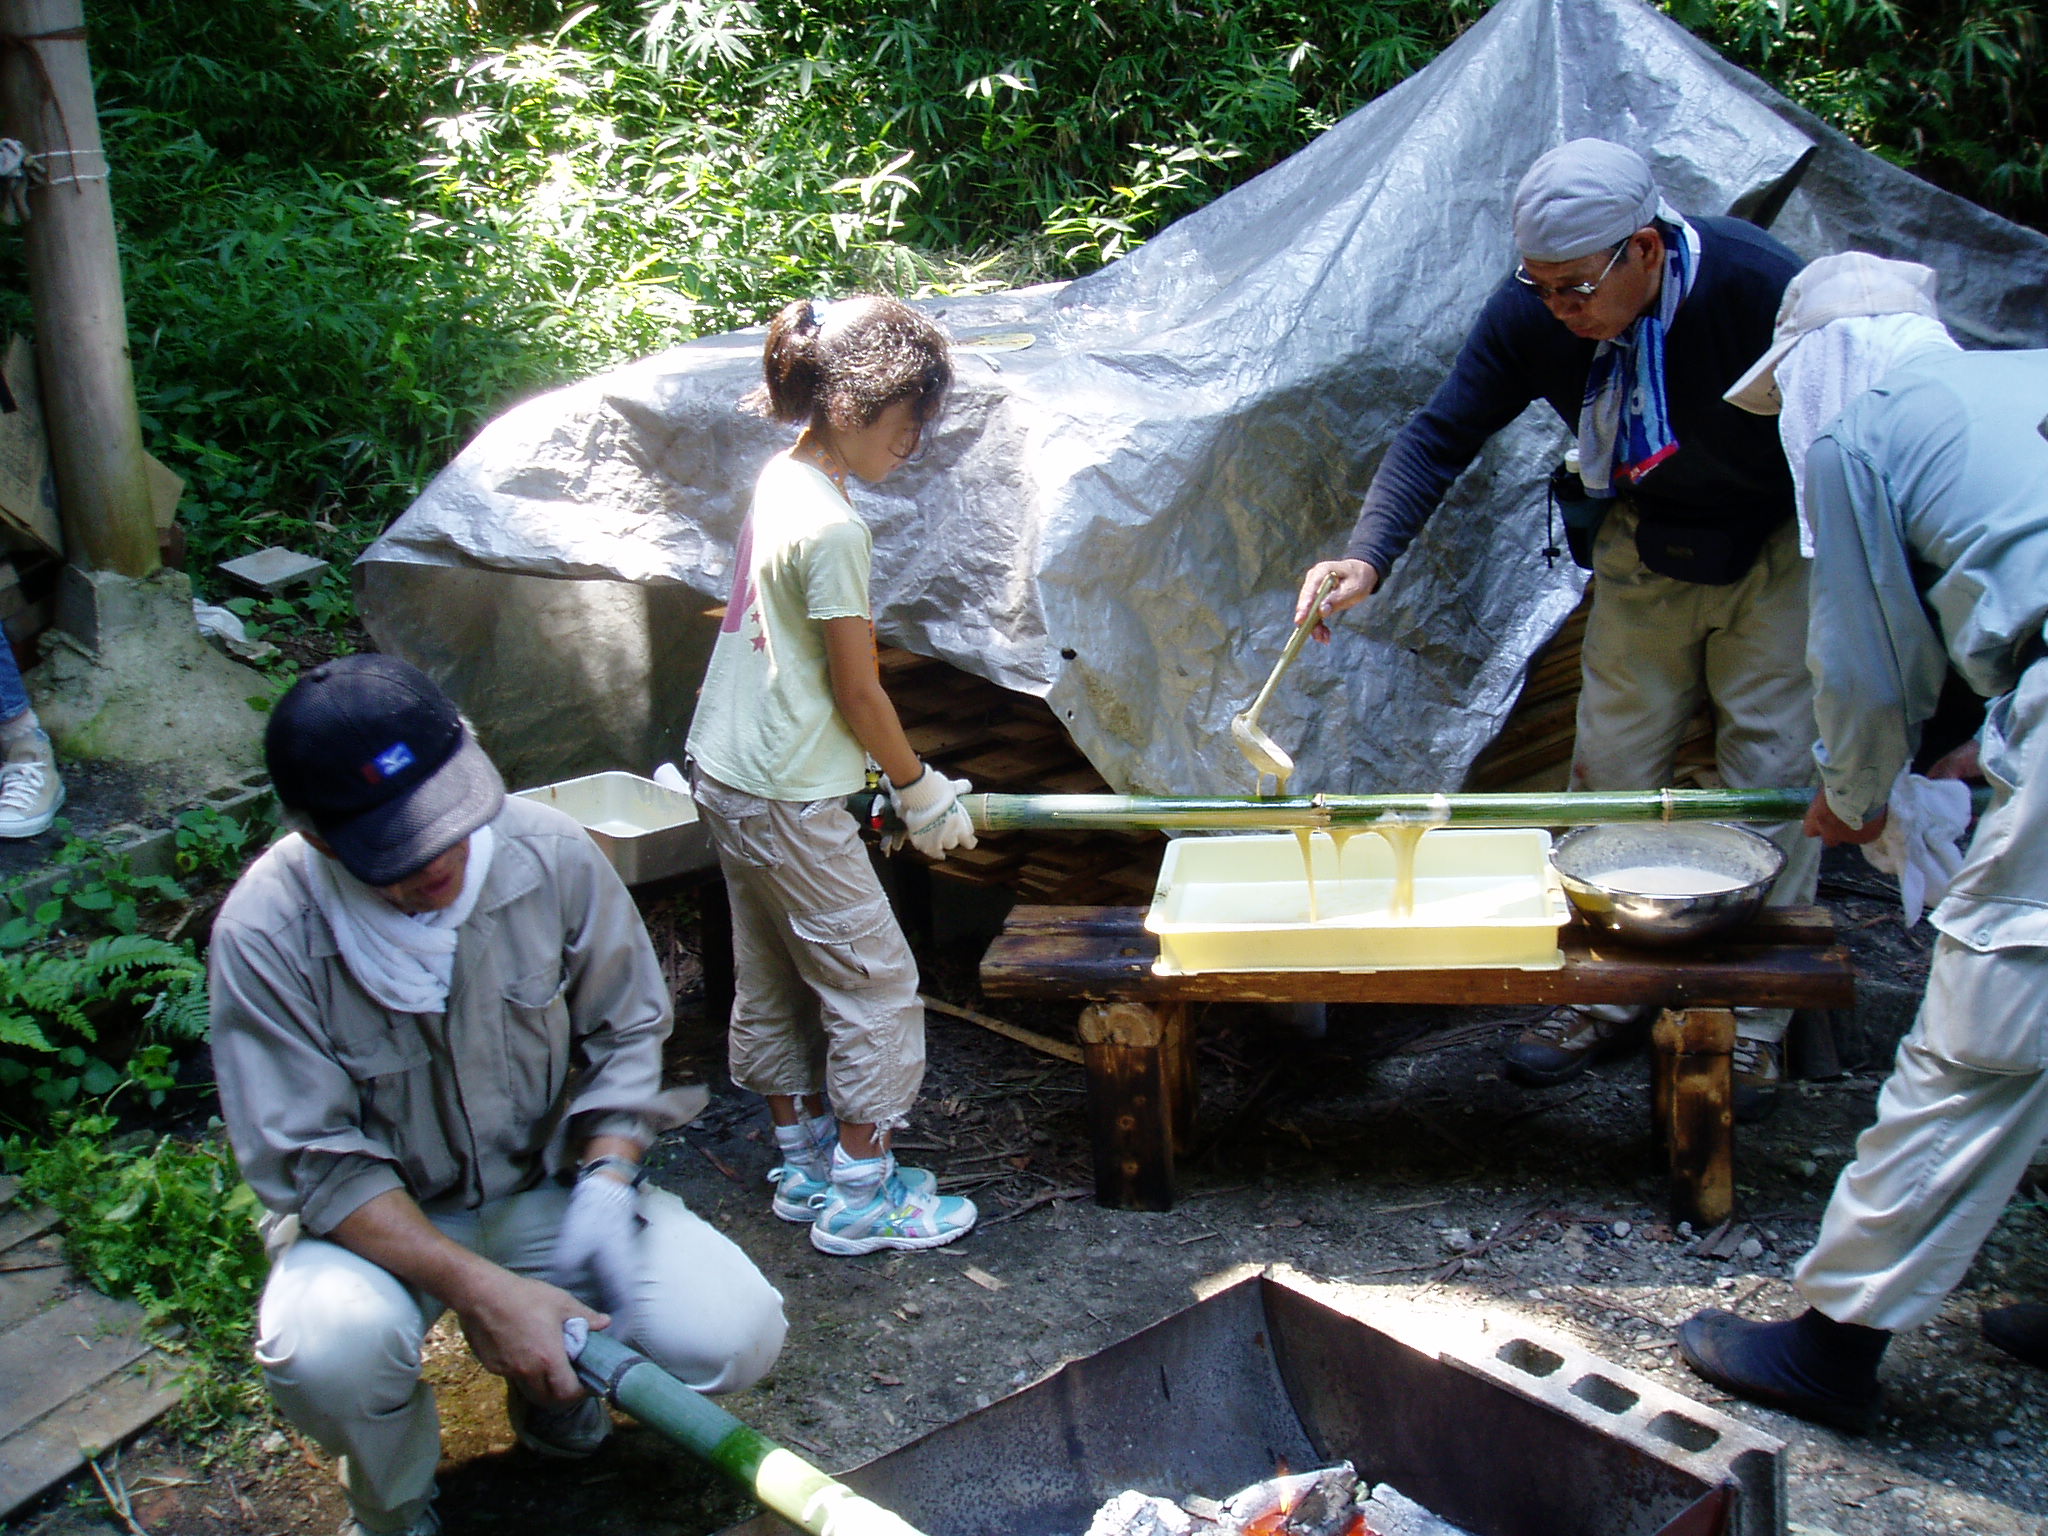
(1140, 1057)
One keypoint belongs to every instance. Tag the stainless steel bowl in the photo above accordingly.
(1587, 859)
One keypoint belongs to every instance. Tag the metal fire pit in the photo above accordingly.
(1503, 1432)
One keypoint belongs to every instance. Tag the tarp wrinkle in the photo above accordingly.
(1115, 516)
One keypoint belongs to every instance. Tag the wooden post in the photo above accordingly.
(1134, 1056)
(74, 280)
(1692, 1100)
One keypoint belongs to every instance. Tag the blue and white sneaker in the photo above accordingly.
(798, 1195)
(907, 1211)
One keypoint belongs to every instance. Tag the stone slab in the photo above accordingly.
(272, 570)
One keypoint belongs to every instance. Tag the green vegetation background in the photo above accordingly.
(356, 229)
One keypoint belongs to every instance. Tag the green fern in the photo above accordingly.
(49, 999)
(21, 1030)
(66, 987)
(180, 1011)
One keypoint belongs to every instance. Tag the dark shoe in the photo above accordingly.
(1811, 1366)
(2020, 1330)
(1759, 1069)
(566, 1432)
(1566, 1041)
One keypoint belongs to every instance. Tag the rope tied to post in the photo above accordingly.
(15, 191)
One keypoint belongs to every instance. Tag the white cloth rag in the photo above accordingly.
(1921, 844)
(403, 960)
(1832, 366)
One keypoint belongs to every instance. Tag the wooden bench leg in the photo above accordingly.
(1140, 1076)
(1692, 1110)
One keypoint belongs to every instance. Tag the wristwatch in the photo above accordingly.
(611, 1162)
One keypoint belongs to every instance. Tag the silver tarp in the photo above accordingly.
(1135, 467)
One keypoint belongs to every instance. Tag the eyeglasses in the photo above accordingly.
(1570, 292)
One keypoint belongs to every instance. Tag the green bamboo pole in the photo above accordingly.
(1007, 813)
(1041, 813)
(779, 1478)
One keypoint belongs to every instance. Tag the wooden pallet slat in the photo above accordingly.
(62, 1350)
(32, 1275)
(80, 1374)
(41, 1455)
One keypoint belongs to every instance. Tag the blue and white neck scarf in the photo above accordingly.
(1625, 419)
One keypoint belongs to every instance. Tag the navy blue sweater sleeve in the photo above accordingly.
(1729, 469)
(1490, 384)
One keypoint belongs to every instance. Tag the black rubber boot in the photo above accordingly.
(1811, 1366)
(2020, 1330)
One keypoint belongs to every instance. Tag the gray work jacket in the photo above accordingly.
(553, 1034)
(1929, 499)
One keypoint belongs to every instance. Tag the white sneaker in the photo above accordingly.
(30, 790)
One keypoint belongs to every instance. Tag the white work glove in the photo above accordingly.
(595, 1250)
(929, 806)
(1925, 824)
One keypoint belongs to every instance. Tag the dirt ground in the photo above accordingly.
(1388, 1154)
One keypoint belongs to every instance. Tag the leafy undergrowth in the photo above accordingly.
(353, 230)
(104, 1095)
(167, 1221)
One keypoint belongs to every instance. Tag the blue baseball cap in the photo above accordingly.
(375, 755)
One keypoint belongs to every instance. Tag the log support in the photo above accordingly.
(1692, 1111)
(1141, 1099)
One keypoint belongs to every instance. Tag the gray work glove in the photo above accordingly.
(932, 815)
(596, 1251)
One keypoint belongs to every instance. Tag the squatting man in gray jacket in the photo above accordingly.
(437, 1026)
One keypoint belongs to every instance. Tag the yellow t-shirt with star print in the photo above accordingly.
(766, 721)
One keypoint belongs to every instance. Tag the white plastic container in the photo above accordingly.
(647, 831)
(1482, 898)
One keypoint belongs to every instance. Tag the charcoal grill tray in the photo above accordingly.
(1506, 1433)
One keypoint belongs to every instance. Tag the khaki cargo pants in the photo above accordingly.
(825, 986)
(1966, 1105)
(1656, 647)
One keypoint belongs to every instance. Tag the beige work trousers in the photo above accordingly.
(1951, 1142)
(1656, 647)
(825, 986)
(339, 1337)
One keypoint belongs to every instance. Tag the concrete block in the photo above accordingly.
(95, 606)
(272, 570)
(154, 850)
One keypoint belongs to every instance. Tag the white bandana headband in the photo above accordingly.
(404, 961)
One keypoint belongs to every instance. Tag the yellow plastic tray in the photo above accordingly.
(1482, 898)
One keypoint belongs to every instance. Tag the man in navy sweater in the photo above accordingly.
(1631, 320)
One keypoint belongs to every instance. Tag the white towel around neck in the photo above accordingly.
(403, 960)
(1829, 368)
